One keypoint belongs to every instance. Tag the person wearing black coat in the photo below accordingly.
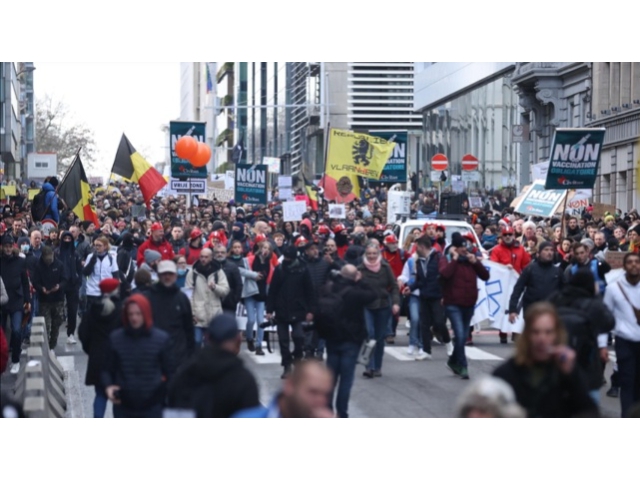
(172, 313)
(343, 343)
(292, 298)
(579, 298)
(539, 280)
(13, 270)
(50, 281)
(97, 324)
(73, 269)
(126, 260)
(138, 366)
(214, 383)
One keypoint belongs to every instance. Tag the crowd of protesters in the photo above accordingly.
(157, 289)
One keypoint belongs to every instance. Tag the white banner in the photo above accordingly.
(272, 163)
(337, 211)
(292, 211)
(494, 296)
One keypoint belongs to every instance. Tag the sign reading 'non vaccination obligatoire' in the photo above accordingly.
(251, 184)
(575, 157)
(539, 202)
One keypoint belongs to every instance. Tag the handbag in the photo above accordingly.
(365, 352)
(636, 311)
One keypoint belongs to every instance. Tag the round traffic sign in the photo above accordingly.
(439, 162)
(469, 162)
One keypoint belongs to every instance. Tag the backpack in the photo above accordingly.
(38, 207)
(580, 333)
(329, 315)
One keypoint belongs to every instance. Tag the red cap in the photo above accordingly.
(218, 235)
(469, 236)
(157, 226)
(323, 230)
(301, 241)
(390, 239)
(109, 285)
(260, 238)
(339, 228)
(440, 226)
(195, 233)
(507, 230)
(425, 226)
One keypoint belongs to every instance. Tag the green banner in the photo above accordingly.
(575, 157)
(251, 184)
(395, 170)
(182, 168)
(539, 202)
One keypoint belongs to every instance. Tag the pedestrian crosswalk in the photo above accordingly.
(395, 352)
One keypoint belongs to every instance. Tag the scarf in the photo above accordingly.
(373, 267)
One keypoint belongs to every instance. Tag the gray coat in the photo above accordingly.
(249, 277)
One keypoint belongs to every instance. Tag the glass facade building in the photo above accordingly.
(477, 122)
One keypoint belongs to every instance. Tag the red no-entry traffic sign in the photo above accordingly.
(469, 162)
(439, 162)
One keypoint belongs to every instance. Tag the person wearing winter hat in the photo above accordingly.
(150, 264)
(72, 265)
(156, 242)
(51, 200)
(192, 250)
(99, 321)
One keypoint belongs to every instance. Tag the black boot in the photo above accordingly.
(287, 372)
(614, 391)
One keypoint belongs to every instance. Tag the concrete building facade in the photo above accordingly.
(10, 124)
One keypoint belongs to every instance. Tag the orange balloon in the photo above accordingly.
(202, 156)
(186, 147)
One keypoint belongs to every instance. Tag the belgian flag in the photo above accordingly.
(75, 191)
(134, 168)
(312, 192)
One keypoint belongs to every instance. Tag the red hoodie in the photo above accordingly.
(145, 307)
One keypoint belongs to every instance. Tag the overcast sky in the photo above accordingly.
(112, 98)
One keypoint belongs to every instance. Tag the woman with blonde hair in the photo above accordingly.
(543, 372)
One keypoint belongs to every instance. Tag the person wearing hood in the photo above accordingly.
(126, 263)
(209, 284)
(192, 250)
(172, 313)
(13, 270)
(139, 363)
(231, 270)
(291, 300)
(215, 383)
(73, 269)
(51, 200)
(578, 299)
(50, 281)
(238, 234)
(96, 326)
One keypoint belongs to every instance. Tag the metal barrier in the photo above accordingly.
(40, 384)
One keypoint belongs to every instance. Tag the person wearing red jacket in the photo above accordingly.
(459, 271)
(395, 257)
(509, 252)
(193, 248)
(156, 242)
(342, 240)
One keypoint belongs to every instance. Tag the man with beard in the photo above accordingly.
(291, 298)
(73, 269)
(232, 272)
(171, 312)
(573, 230)
(305, 394)
(177, 239)
(355, 251)
(193, 249)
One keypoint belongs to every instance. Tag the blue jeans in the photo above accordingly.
(378, 328)
(595, 396)
(414, 319)
(460, 318)
(199, 335)
(255, 315)
(99, 403)
(341, 360)
(15, 342)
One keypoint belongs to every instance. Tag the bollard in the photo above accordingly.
(35, 407)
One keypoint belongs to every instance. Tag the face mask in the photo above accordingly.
(182, 271)
(24, 248)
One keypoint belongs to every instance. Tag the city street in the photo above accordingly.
(407, 388)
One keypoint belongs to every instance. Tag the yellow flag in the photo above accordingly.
(354, 154)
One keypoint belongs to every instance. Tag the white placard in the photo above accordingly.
(435, 176)
(285, 193)
(470, 176)
(221, 194)
(292, 211)
(230, 180)
(272, 163)
(284, 181)
(337, 210)
(195, 186)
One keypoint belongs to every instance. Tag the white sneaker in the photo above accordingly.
(449, 348)
(422, 355)
(15, 368)
(411, 350)
(71, 340)
(407, 324)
